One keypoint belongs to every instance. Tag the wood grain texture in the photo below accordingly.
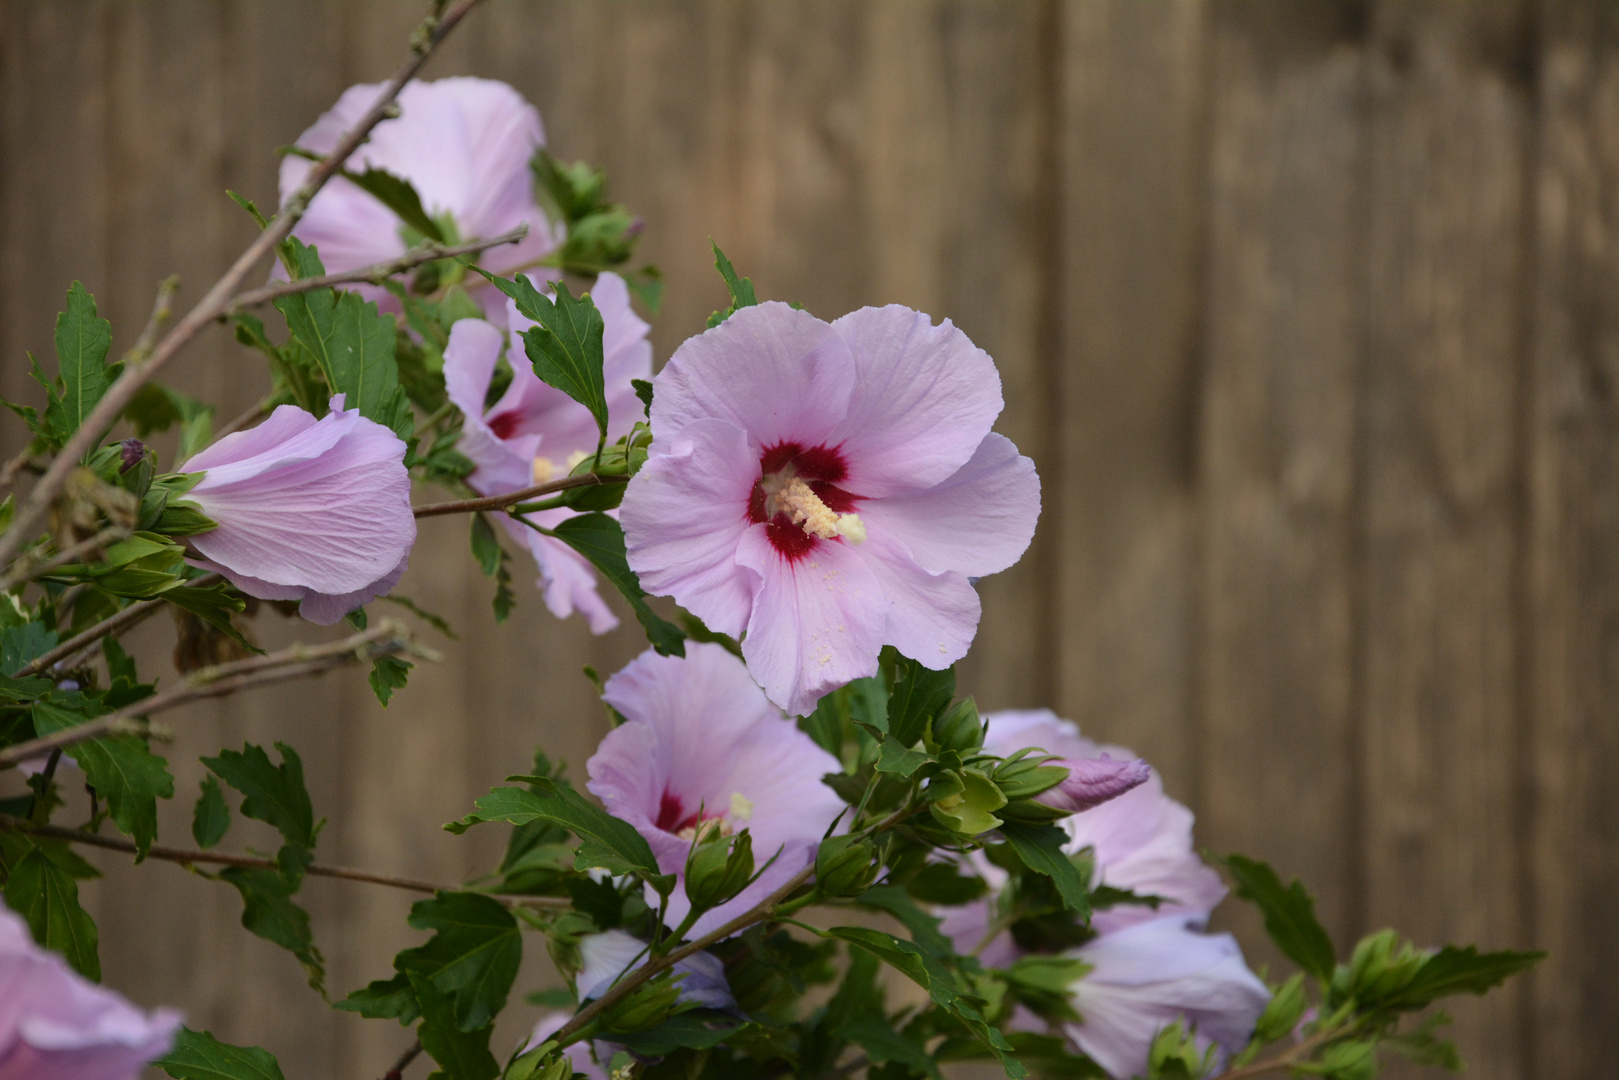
(1277, 444)
(1120, 488)
(1446, 286)
(1573, 734)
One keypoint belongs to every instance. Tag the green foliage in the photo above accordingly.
(388, 673)
(384, 999)
(472, 957)
(599, 235)
(120, 767)
(1040, 848)
(43, 892)
(492, 558)
(606, 841)
(740, 288)
(83, 339)
(197, 1055)
(398, 195)
(269, 911)
(273, 794)
(462, 1055)
(601, 541)
(22, 645)
(917, 694)
(211, 817)
(565, 349)
(1289, 915)
(157, 408)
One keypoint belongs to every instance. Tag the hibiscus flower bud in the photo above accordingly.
(965, 802)
(959, 728)
(648, 1006)
(316, 511)
(719, 869)
(131, 452)
(845, 866)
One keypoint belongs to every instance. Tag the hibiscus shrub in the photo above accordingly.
(800, 850)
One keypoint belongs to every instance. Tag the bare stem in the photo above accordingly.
(387, 638)
(162, 308)
(500, 502)
(218, 299)
(25, 573)
(108, 627)
(221, 858)
(1299, 1053)
(375, 274)
(398, 1071)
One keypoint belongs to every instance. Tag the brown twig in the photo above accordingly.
(9, 471)
(112, 624)
(376, 274)
(398, 1071)
(111, 534)
(252, 862)
(162, 308)
(386, 638)
(218, 299)
(500, 502)
(1299, 1053)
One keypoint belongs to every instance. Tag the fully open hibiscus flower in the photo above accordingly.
(703, 750)
(536, 433)
(829, 489)
(463, 143)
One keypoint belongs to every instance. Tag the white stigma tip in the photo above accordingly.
(851, 528)
(544, 469)
(741, 806)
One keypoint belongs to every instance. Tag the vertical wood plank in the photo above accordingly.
(1121, 501)
(1573, 735)
(1446, 275)
(1277, 445)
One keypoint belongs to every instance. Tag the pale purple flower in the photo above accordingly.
(55, 1025)
(310, 510)
(535, 433)
(463, 143)
(1142, 840)
(703, 749)
(829, 489)
(612, 954)
(1145, 977)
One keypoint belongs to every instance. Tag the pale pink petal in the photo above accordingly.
(1144, 978)
(926, 397)
(567, 580)
(685, 513)
(932, 617)
(817, 622)
(326, 609)
(979, 521)
(288, 433)
(469, 364)
(1094, 781)
(782, 376)
(610, 955)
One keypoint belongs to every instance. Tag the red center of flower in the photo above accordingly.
(820, 467)
(672, 816)
(504, 425)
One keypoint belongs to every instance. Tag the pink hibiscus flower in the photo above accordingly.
(536, 433)
(828, 489)
(310, 510)
(703, 749)
(463, 143)
(55, 1025)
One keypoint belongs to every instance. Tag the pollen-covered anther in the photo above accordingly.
(804, 508)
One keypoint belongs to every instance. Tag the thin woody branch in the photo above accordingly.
(376, 274)
(162, 308)
(218, 299)
(386, 639)
(500, 502)
(220, 858)
(113, 624)
(111, 534)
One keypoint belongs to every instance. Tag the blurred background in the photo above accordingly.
(1306, 313)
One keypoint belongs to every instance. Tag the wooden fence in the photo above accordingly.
(1309, 314)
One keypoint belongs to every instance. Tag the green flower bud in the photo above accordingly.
(1027, 776)
(648, 1006)
(971, 811)
(533, 1065)
(718, 870)
(1030, 812)
(959, 728)
(845, 866)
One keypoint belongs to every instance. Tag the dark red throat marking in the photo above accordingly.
(822, 467)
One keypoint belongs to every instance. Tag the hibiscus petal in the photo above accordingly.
(684, 514)
(469, 363)
(288, 434)
(778, 374)
(925, 398)
(933, 616)
(979, 521)
(817, 622)
(566, 580)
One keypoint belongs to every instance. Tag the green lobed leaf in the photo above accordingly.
(82, 341)
(462, 1055)
(895, 758)
(213, 604)
(565, 349)
(384, 999)
(940, 883)
(197, 1055)
(398, 195)
(697, 1029)
(388, 673)
(740, 288)
(1040, 848)
(917, 695)
(473, 955)
(1454, 970)
(1289, 913)
(273, 794)
(269, 911)
(924, 928)
(22, 645)
(47, 898)
(211, 817)
(122, 770)
(600, 539)
(882, 1044)
(614, 845)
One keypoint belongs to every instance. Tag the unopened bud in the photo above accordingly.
(718, 870)
(959, 728)
(845, 866)
(131, 452)
(970, 811)
(533, 1065)
(647, 1007)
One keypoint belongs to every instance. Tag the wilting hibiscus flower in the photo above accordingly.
(55, 1025)
(1148, 976)
(829, 489)
(310, 510)
(536, 433)
(463, 143)
(702, 751)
